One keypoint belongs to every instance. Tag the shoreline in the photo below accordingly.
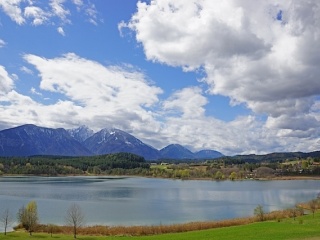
(184, 179)
(147, 230)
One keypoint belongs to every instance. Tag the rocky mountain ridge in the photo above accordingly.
(28, 140)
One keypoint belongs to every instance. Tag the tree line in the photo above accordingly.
(130, 164)
(124, 163)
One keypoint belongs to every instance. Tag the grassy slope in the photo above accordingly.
(308, 229)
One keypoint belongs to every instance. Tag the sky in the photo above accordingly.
(236, 76)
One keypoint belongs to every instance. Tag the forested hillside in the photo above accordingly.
(118, 163)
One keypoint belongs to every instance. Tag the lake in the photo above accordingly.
(149, 201)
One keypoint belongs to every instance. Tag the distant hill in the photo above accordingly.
(274, 157)
(176, 151)
(31, 140)
(207, 154)
(28, 140)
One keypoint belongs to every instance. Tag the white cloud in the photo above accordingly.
(189, 101)
(61, 31)
(37, 14)
(13, 10)
(111, 96)
(52, 12)
(243, 135)
(92, 13)
(26, 70)
(122, 25)
(169, 30)
(96, 95)
(6, 82)
(250, 52)
(35, 92)
(34, 112)
(2, 43)
(78, 2)
(14, 76)
(102, 95)
(271, 65)
(59, 10)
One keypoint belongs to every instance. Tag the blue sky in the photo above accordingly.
(236, 76)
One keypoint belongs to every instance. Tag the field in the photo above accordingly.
(303, 228)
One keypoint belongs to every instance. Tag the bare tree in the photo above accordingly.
(293, 213)
(259, 212)
(75, 218)
(313, 205)
(51, 229)
(6, 219)
(296, 211)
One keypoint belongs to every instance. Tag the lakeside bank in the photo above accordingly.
(99, 230)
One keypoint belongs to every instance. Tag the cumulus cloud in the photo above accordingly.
(111, 96)
(88, 93)
(188, 101)
(34, 112)
(169, 30)
(264, 54)
(245, 135)
(102, 95)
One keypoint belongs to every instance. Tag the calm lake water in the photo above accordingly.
(147, 201)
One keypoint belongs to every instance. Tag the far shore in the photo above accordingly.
(297, 177)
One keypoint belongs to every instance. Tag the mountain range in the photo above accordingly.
(29, 140)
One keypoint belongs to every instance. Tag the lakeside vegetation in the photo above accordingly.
(268, 166)
(111, 164)
(306, 227)
(28, 221)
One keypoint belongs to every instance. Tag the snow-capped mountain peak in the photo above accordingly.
(81, 133)
(28, 140)
(114, 140)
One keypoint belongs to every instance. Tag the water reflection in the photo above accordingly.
(132, 201)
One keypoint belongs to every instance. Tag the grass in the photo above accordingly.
(163, 167)
(303, 228)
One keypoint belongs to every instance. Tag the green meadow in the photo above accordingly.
(302, 228)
